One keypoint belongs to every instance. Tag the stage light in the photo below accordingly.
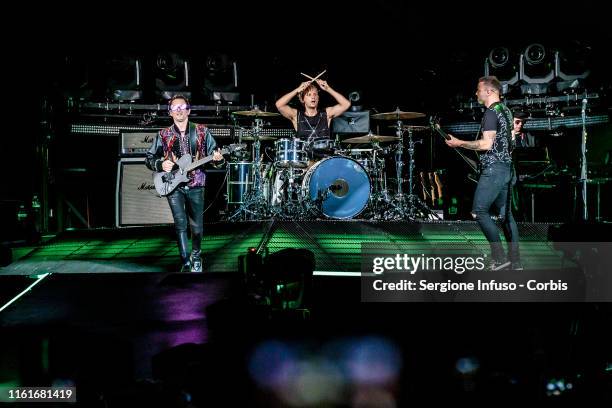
(220, 74)
(75, 78)
(356, 101)
(537, 70)
(534, 54)
(556, 387)
(502, 63)
(171, 75)
(499, 57)
(123, 75)
(467, 365)
(572, 67)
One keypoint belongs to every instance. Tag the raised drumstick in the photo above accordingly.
(315, 78)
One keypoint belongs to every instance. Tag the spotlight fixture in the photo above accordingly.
(171, 75)
(534, 54)
(499, 57)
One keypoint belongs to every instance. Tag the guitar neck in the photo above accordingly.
(198, 163)
(441, 132)
(469, 161)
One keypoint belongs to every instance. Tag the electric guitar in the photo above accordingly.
(166, 181)
(435, 125)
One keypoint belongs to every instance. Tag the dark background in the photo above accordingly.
(422, 57)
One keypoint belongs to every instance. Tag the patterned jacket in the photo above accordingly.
(167, 146)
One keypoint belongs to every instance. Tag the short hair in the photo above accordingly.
(305, 91)
(493, 82)
(178, 96)
(521, 115)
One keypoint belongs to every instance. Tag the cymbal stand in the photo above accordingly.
(399, 208)
(416, 207)
(379, 199)
(255, 206)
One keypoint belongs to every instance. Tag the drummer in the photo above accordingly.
(311, 124)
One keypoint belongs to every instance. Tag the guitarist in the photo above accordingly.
(187, 200)
(496, 174)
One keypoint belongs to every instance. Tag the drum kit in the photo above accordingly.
(322, 179)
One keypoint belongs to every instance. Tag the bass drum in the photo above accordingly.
(339, 186)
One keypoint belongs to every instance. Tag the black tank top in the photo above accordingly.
(314, 127)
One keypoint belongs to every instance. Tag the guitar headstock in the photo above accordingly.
(434, 122)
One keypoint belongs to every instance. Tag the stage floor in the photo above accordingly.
(109, 315)
(335, 244)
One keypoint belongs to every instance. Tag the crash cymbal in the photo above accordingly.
(371, 139)
(397, 115)
(256, 113)
(247, 138)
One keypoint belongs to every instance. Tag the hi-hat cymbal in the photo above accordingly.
(258, 138)
(371, 139)
(397, 115)
(256, 113)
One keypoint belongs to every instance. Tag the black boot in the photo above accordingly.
(196, 261)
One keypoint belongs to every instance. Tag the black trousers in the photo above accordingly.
(493, 193)
(188, 204)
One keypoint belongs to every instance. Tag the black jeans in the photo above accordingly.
(494, 193)
(185, 203)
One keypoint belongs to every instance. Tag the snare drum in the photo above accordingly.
(290, 153)
(324, 144)
(321, 148)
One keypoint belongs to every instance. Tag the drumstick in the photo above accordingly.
(315, 78)
(307, 76)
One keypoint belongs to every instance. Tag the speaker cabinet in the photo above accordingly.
(136, 142)
(137, 202)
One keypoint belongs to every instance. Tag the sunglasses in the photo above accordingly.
(176, 108)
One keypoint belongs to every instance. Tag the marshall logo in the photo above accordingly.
(146, 186)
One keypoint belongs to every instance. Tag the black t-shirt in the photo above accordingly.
(497, 118)
(312, 127)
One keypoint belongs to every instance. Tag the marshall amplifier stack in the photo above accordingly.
(137, 202)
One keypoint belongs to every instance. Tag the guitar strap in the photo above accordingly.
(193, 142)
(507, 115)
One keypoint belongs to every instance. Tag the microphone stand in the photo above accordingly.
(583, 164)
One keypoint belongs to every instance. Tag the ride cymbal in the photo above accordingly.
(397, 115)
(256, 113)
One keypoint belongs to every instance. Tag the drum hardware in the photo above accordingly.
(404, 206)
(414, 128)
(347, 184)
(255, 205)
(252, 138)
